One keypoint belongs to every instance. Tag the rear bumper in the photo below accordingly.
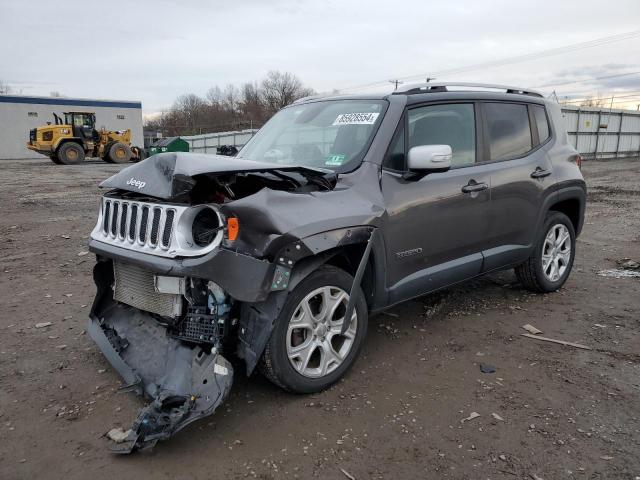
(245, 278)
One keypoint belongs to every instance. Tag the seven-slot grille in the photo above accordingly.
(138, 223)
(153, 228)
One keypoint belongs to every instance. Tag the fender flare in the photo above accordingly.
(306, 255)
(573, 192)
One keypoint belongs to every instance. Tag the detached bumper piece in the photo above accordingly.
(184, 382)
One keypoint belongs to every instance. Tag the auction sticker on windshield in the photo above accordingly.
(356, 119)
(335, 159)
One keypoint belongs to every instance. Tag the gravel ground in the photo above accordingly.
(548, 412)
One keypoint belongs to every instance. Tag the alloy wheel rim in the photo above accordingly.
(315, 345)
(556, 252)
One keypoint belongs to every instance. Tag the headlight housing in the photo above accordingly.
(205, 227)
(200, 229)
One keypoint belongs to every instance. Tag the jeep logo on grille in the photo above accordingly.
(136, 183)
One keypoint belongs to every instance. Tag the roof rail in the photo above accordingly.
(434, 87)
(308, 97)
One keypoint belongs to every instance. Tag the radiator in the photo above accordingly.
(135, 286)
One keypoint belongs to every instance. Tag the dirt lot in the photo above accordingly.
(566, 413)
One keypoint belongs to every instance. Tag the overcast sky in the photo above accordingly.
(156, 50)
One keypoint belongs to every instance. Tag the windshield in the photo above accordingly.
(332, 134)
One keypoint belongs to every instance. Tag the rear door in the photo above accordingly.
(435, 225)
(516, 135)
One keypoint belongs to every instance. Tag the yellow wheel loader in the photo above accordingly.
(69, 141)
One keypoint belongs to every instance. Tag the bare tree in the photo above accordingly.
(231, 108)
(251, 104)
(281, 89)
(189, 110)
(5, 88)
(593, 102)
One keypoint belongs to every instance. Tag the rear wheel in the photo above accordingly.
(550, 264)
(70, 153)
(119, 153)
(307, 352)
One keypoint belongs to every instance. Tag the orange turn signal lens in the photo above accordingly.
(233, 228)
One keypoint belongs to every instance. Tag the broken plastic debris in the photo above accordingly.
(531, 329)
(497, 417)
(470, 417)
(486, 368)
(43, 324)
(630, 265)
(118, 435)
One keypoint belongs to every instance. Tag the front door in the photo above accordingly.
(435, 225)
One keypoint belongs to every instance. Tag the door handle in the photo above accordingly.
(540, 173)
(472, 187)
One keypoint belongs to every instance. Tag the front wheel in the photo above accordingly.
(119, 153)
(70, 153)
(550, 264)
(307, 352)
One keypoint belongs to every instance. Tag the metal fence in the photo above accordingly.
(594, 132)
(603, 132)
(209, 142)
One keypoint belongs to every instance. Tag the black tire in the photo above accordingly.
(119, 153)
(54, 159)
(530, 273)
(105, 152)
(70, 153)
(275, 364)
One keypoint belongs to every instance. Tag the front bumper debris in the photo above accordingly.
(184, 383)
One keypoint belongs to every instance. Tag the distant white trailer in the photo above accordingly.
(19, 114)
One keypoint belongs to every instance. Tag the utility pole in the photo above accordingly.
(396, 83)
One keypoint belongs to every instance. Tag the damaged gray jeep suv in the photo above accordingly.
(338, 207)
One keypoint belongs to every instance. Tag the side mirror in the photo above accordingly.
(429, 158)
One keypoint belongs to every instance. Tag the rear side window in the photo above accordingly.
(509, 131)
(542, 123)
(452, 125)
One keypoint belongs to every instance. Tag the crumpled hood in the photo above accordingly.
(170, 175)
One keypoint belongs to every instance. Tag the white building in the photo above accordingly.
(19, 114)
